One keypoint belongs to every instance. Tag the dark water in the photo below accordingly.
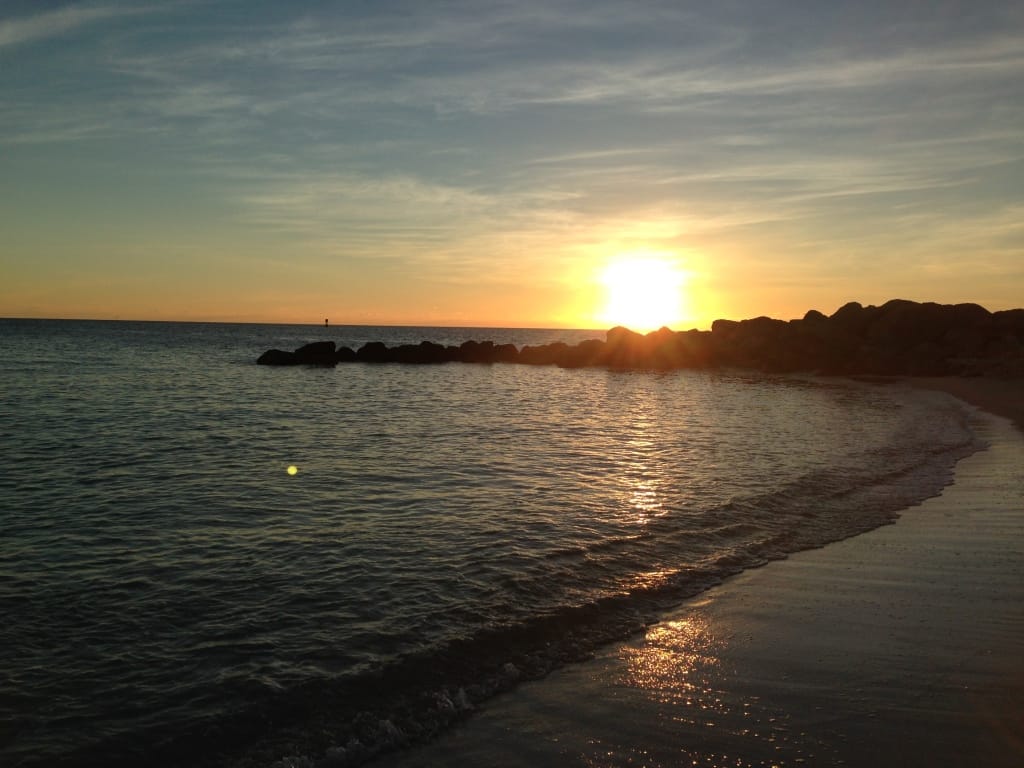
(170, 594)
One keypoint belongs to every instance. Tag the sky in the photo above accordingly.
(505, 163)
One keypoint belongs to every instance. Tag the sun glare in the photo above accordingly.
(643, 293)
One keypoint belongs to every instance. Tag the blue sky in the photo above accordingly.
(481, 163)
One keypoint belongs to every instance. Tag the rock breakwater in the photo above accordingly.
(899, 337)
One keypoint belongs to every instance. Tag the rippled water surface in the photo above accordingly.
(170, 590)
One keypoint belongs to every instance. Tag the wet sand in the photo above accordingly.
(903, 646)
(1004, 397)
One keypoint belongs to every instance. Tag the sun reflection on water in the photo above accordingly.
(672, 664)
(643, 492)
(644, 501)
(682, 667)
(647, 580)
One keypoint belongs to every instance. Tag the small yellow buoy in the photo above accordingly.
(292, 469)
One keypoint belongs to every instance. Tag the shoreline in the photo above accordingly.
(899, 646)
(996, 395)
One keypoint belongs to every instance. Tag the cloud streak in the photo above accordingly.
(42, 26)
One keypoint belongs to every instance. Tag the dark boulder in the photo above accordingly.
(424, 353)
(434, 353)
(544, 354)
(316, 353)
(621, 335)
(695, 349)
(373, 352)
(476, 352)
(902, 323)
(756, 343)
(277, 357)
(964, 315)
(662, 350)
(624, 348)
(1009, 322)
(586, 354)
(926, 359)
(506, 353)
(852, 319)
(968, 341)
(405, 353)
(724, 330)
(851, 315)
(315, 348)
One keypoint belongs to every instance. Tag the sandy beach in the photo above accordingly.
(903, 646)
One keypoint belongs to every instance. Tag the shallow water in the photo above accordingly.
(898, 648)
(449, 530)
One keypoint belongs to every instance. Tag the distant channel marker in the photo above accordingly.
(292, 469)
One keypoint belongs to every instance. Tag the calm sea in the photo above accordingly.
(170, 594)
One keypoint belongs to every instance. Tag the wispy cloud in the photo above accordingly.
(54, 23)
(388, 217)
(460, 136)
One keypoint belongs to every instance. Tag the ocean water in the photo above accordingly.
(171, 595)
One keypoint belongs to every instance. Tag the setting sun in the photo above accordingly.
(643, 293)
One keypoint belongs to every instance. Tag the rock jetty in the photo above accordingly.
(897, 338)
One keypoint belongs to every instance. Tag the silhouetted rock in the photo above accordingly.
(317, 353)
(851, 316)
(373, 352)
(405, 353)
(696, 349)
(277, 357)
(724, 330)
(544, 354)
(666, 350)
(586, 354)
(506, 353)
(476, 352)
(622, 348)
(1010, 322)
(424, 353)
(434, 353)
(900, 337)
